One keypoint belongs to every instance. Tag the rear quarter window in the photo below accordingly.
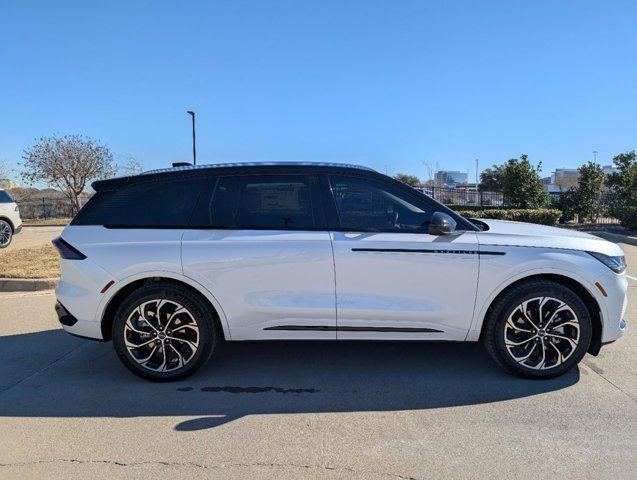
(143, 205)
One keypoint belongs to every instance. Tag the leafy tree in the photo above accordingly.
(589, 191)
(489, 179)
(623, 190)
(518, 181)
(566, 201)
(411, 180)
(68, 163)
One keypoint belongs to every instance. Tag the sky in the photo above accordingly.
(394, 85)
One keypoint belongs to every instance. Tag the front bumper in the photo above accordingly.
(614, 306)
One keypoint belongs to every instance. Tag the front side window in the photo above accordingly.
(368, 205)
(277, 202)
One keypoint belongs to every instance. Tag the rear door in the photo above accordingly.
(393, 279)
(258, 244)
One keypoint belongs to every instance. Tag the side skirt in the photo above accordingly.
(322, 328)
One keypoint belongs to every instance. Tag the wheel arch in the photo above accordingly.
(591, 303)
(125, 289)
(8, 220)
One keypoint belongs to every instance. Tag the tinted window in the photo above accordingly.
(5, 197)
(259, 201)
(151, 204)
(364, 205)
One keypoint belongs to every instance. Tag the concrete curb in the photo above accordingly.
(26, 225)
(27, 284)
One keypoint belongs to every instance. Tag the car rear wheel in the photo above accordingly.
(164, 332)
(538, 329)
(6, 234)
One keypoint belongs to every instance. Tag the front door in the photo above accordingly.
(256, 245)
(393, 279)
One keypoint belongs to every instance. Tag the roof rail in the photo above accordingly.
(189, 167)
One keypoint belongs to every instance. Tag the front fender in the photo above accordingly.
(495, 277)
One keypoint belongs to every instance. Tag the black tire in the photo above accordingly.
(197, 311)
(6, 234)
(496, 328)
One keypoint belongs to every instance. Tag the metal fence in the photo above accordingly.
(463, 197)
(458, 198)
(45, 208)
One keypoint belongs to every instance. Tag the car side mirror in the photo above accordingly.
(441, 224)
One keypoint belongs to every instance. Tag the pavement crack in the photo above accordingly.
(46, 367)
(203, 466)
(597, 371)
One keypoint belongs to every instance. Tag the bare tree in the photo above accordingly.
(131, 166)
(68, 163)
(431, 169)
(5, 172)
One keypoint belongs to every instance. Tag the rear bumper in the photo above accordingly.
(78, 293)
(80, 328)
(64, 316)
(18, 229)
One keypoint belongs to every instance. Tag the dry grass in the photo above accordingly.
(46, 222)
(34, 262)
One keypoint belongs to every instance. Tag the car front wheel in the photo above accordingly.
(538, 329)
(164, 332)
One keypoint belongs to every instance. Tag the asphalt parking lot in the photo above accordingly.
(68, 409)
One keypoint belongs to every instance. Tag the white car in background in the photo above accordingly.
(168, 262)
(10, 221)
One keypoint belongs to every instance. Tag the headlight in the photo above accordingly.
(616, 264)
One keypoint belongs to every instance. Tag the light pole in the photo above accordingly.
(477, 178)
(194, 145)
(595, 156)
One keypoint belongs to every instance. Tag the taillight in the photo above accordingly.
(67, 251)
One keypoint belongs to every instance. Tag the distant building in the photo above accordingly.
(451, 177)
(608, 169)
(564, 178)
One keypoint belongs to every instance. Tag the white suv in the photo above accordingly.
(168, 262)
(10, 221)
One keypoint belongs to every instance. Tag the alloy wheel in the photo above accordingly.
(161, 335)
(542, 333)
(5, 234)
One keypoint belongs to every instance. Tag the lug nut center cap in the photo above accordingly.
(162, 335)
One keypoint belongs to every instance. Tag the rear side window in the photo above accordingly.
(259, 201)
(151, 204)
(5, 197)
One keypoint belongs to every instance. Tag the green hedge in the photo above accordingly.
(544, 216)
